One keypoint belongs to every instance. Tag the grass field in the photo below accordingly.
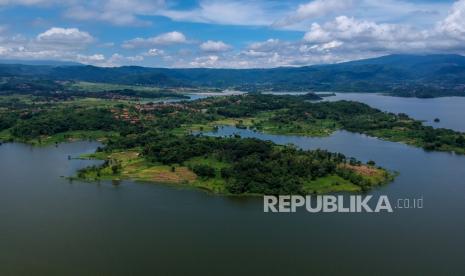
(134, 167)
(5, 135)
(331, 183)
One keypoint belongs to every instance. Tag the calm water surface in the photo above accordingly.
(53, 227)
(49, 226)
(450, 110)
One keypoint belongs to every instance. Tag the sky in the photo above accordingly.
(227, 34)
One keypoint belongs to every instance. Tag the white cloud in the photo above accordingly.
(348, 38)
(92, 59)
(314, 10)
(3, 50)
(266, 46)
(215, 46)
(169, 38)
(333, 31)
(207, 61)
(350, 29)
(129, 12)
(317, 34)
(25, 53)
(454, 24)
(283, 14)
(328, 46)
(63, 36)
(117, 59)
(113, 61)
(419, 13)
(162, 39)
(60, 44)
(284, 54)
(155, 52)
(55, 43)
(248, 13)
(318, 8)
(254, 53)
(118, 12)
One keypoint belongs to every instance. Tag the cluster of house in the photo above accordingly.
(159, 106)
(147, 111)
(123, 114)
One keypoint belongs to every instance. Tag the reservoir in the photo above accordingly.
(51, 226)
(449, 110)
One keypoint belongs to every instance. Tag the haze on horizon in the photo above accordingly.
(227, 34)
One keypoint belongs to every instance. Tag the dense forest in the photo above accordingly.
(57, 121)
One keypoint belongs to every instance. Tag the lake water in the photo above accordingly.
(450, 110)
(53, 227)
(50, 226)
(193, 97)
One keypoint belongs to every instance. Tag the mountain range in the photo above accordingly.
(393, 73)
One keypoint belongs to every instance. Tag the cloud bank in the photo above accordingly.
(291, 33)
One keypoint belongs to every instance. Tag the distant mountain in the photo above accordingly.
(417, 65)
(39, 62)
(409, 60)
(433, 73)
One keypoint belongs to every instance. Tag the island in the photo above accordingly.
(234, 165)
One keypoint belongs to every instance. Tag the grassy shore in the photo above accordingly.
(134, 167)
(335, 183)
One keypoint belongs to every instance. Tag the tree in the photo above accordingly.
(115, 169)
(204, 171)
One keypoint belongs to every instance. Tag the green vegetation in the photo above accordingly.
(233, 165)
(154, 142)
(293, 115)
(330, 183)
(101, 87)
(158, 138)
(425, 91)
(31, 121)
(47, 90)
(54, 126)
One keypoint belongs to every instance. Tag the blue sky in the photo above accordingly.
(220, 33)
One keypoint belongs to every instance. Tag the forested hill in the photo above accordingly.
(401, 74)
